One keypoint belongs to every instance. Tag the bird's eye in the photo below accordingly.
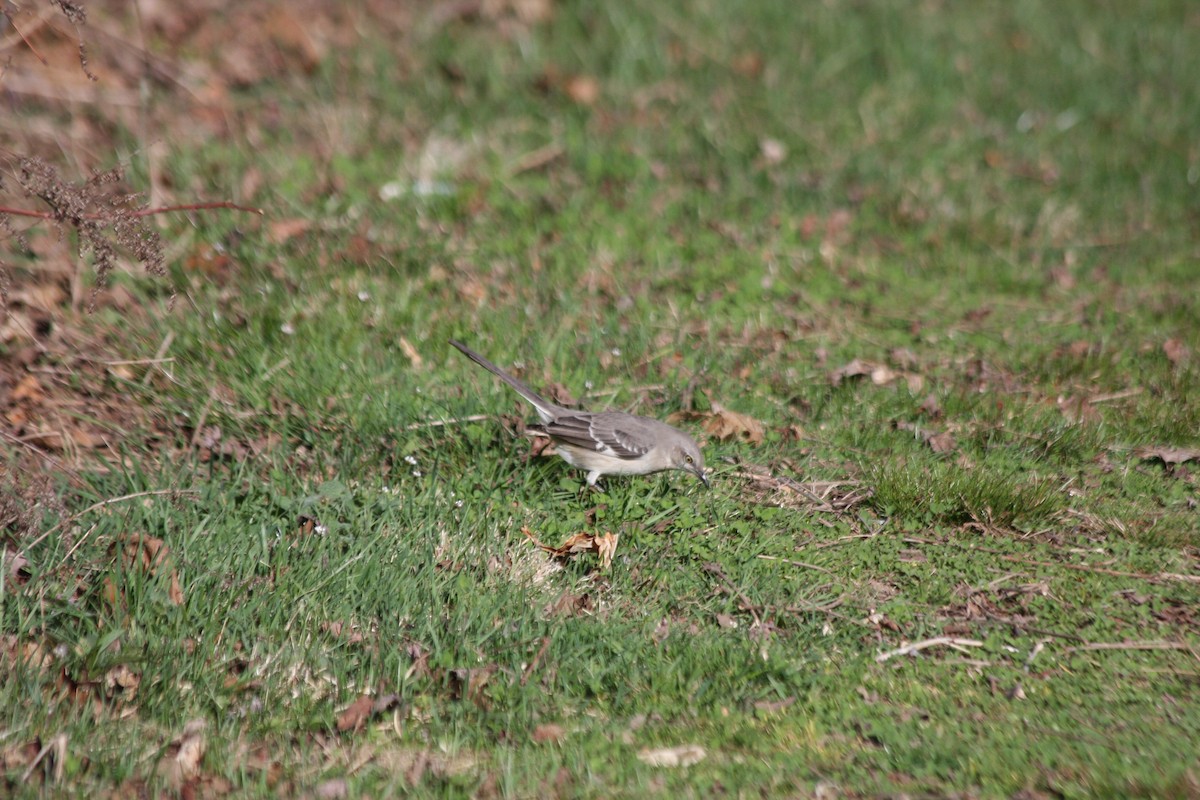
(689, 459)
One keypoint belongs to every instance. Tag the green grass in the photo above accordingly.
(1012, 180)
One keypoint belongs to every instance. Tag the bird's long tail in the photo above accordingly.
(545, 409)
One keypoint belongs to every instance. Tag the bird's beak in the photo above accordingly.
(703, 476)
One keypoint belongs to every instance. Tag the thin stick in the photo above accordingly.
(103, 503)
(438, 423)
(49, 459)
(203, 418)
(159, 355)
(141, 212)
(537, 659)
(1156, 645)
(797, 564)
(946, 641)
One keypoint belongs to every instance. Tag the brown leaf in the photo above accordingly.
(682, 756)
(150, 555)
(583, 89)
(28, 388)
(181, 763)
(1168, 455)
(931, 407)
(1176, 351)
(748, 64)
(726, 621)
(604, 544)
(124, 680)
(548, 733)
(355, 716)
(774, 706)
(411, 353)
(334, 789)
(1078, 409)
(283, 230)
(855, 369)
(942, 443)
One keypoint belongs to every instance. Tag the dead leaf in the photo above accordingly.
(931, 407)
(726, 621)
(682, 756)
(283, 230)
(774, 706)
(1176, 351)
(411, 353)
(334, 789)
(605, 545)
(548, 733)
(938, 441)
(942, 443)
(124, 680)
(1078, 409)
(855, 369)
(773, 151)
(748, 65)
(181, 763)
(355, 715)
(583, 89)
(150, 555)
(28, 388)
(1168, 455)
(45, 296)
(723, 424)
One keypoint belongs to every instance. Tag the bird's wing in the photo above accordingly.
(617, 435)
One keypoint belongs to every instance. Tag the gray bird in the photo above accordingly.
(605, 442)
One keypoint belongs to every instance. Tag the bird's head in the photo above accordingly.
(688, 458)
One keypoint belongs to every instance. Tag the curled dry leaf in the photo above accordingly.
(681, 756)
(355, 716)
(723, 424)
(879, 374)
(1168, 455)
(604, 544)
(411, 353)
(150, 555)
(181, 763)
(548, 733)
(938, 441)
(1176, 351)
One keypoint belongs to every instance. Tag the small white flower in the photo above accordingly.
(287, 328)
(458, 503)
(616, 351)
(410, 459)
(321, 530)
(364, 296)
(416, 473)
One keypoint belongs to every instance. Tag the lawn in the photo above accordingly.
(923, 278)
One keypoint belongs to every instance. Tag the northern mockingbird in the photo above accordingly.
(605, 442)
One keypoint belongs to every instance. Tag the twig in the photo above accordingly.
(142, 212)
(49, 459)
(203, 418)
(1153, 645)
(797, 563)
(438, 423)
(946, 641)
(537, 659)
(714, 568)
(57, 743)
(539, 158)
(103, 503)
(159, 356)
